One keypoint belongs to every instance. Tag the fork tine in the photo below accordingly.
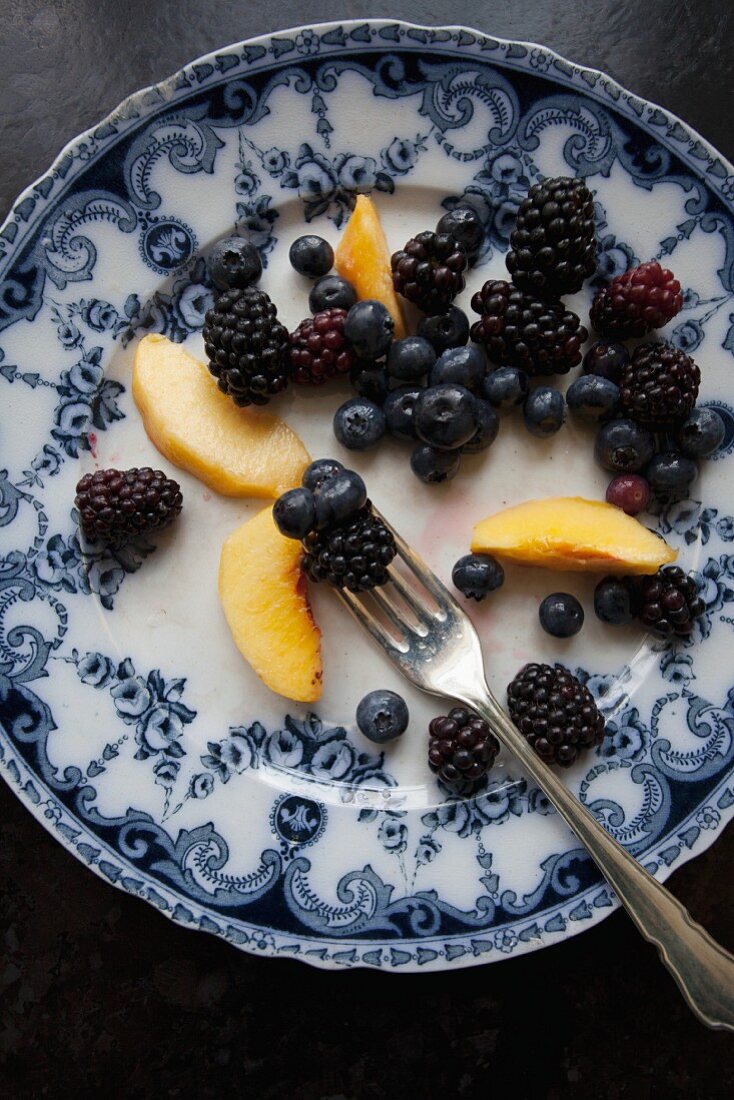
(364, 616)
(408, 595)
(390, 613)
(418, 567)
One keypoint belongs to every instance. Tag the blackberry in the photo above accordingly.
(553, 244)
(354, 555)
(117, 505)
(247, 346)
(554, 712)
(461, 747)
(519, 330)
(670, 602)
(319, 349)
(659, 385)
(429, 271)
(635, 303)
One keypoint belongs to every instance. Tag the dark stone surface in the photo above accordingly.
(100, 994)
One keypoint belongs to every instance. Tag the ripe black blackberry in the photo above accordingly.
(319, 349)
(554, 712)
(247, 346)
(461, 747)
(640, 300)
(519, 330)
(117, 505)
(659, 385)
(670, 602)
(429, 271)
(354, 555)
(553, 244)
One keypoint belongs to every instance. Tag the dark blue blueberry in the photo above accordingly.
(488, 424)
(369, 329)
(410, 359)
(671, 475)
(331, 292)
(606, 359)
(447, 330)
(399, 408)
(561, 615)
(476, 575)
(702, 433)
(464, 225)
(311, 256)
(593, 398)
(382, 716)
(234, 263)
(462, 366)
(370, 381)
(445, 416)
(359, 424)
(623, 446)
(339, 498)
(319, 471)
(294, 513)
(544, 411)
(506, 387)
(615, 600)
(434, 466)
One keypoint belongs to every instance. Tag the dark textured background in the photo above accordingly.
(98, 993)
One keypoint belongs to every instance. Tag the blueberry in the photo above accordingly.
(447, 330)
(615, 600)
(630, 492)
(370, 381)
(488, 424)
(506, 387)
(319, 472)
(476, 575)
(561, 615)
(331, 292)
(399, 408)
(382, 716)
(671, 475)
(339, 498)
(234, 262)
(462, 366)
(294, 513)
(369, 328)
(623, 446)
(359, 424)
(445, 416)
(702, 433)
(544, 411)
(464, 225)
(434, 466)
(593, 398)
(311, 255)
(606, 359)
(410, 359)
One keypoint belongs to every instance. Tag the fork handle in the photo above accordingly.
(703, 970)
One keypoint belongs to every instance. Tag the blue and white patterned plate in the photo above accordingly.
(131, 727)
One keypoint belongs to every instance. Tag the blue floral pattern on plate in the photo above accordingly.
(341, 862)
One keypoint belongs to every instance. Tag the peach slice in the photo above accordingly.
(237, 452)
(363, 257)
(572, 533)
(265, 600)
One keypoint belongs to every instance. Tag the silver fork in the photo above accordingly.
(429, 638)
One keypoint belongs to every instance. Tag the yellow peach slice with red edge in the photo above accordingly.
(236, 452)
(574, 534)
(265, 599)
(363, 258)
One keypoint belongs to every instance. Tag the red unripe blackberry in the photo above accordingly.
(635, 303)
